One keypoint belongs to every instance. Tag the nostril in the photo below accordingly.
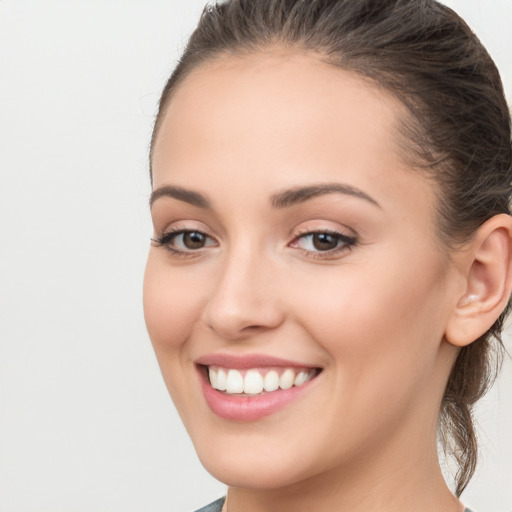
(253, 327)
(238, 325)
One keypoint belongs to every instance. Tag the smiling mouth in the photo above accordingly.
(257, 381)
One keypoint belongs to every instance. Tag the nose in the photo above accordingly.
(244, 300)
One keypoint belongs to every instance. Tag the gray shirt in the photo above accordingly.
(216, 506)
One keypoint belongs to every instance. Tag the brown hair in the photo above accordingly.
(458, 129)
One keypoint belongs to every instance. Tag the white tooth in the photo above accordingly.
(253, 382)
(271, 381)
(300, 379)
(234, 382)
(221, 380)
(286, 379)
(213, 378)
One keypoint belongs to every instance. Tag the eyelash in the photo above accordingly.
(345, 243)
(167, 238)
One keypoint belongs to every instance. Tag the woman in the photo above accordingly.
(330, 268)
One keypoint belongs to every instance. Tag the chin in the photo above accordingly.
(251, 473)
(256, 460)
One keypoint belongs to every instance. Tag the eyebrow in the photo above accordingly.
(283, 199)
(181, 194)
(296, 195)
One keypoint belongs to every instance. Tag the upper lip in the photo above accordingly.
(246, 361)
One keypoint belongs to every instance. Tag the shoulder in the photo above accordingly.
(216, 506)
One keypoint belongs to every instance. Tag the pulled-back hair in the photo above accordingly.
(457, 130)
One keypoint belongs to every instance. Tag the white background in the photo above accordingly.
(85, 420)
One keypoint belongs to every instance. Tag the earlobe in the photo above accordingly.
(487, 269)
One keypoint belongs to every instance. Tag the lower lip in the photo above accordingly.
(249, 408)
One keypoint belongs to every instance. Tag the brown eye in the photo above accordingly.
(325, 241)
(185, 241)
(194, 240)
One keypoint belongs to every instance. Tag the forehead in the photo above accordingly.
(281, 96)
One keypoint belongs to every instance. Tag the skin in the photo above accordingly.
(373, 315)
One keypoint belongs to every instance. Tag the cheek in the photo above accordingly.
(371, 320)
(381, 331)
(171, 310)
(171, 305)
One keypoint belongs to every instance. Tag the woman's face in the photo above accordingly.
(295, 248)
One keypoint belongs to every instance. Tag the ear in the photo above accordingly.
(487, 271)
